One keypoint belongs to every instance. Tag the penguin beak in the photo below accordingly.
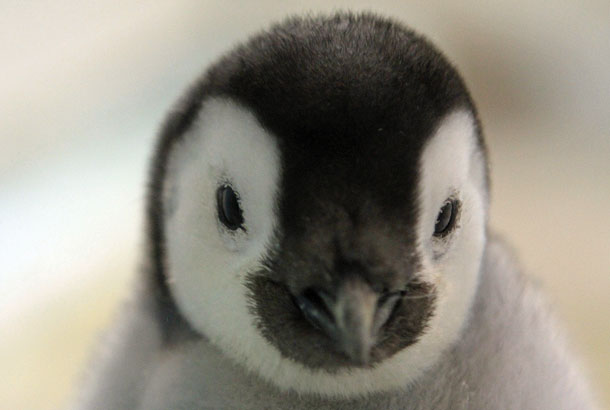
(352, 317)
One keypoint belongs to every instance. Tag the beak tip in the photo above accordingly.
(358, 352)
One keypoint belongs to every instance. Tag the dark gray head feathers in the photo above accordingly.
(351, 99)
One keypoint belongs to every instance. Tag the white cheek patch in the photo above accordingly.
(452, 165)
(207, 262)
(445, 163)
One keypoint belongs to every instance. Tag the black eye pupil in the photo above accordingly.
(229, 211)
(446, 218)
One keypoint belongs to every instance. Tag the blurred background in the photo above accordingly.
(84, 85)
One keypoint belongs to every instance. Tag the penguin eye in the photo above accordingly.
(445, 220)
(229, 211)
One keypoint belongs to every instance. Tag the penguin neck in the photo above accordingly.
(447, 383)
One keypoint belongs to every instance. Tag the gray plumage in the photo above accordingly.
(321, 274)
(511, 356)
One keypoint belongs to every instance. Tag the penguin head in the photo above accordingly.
(318, 205)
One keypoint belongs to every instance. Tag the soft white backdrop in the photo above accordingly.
(84, 85)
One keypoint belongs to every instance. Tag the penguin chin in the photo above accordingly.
(284, 326)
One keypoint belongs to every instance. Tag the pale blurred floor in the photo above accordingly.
(85, 85)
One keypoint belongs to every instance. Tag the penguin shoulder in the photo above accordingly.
(514, 351)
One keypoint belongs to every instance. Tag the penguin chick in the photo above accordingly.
(317, 239)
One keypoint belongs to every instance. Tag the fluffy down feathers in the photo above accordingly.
(511, 356)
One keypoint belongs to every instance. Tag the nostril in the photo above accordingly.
(314, 305)
(387, 304)
(318, 298)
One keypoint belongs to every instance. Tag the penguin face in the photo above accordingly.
(323, 205)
